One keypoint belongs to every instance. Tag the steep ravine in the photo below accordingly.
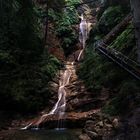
(83, 109)
(82, 106)
(80, 103)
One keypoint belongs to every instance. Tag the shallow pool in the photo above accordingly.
(45, 135)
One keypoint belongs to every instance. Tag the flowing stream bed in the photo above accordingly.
(67, 134)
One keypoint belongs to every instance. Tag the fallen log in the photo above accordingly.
(117, 30)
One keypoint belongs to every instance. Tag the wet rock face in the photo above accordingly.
(84, 137)
(130, 127)
(55, 48)
(102, 127)
(92, 134)
(57, 52)
(53, 87)
(99, 127)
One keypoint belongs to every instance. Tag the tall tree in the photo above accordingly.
(20, 50)
(56, 5)
(135, 4)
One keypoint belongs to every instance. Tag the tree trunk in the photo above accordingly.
(46, 28)
(117, 30)
(135, 5)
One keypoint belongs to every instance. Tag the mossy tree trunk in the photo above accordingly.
(117, 30)
(135, 4)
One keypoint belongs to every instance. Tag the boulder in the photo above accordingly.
(84, 137)
(92, 135)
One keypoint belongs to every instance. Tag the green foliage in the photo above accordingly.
(56, 5)
(98, 72)
(92, 70)
(50, 66)
(53, 16)
(27, 88)
(26, 68)
(125, 4)
(125, 42)
(63, 25)
(125, 100)
(111, 17)
(19, 31)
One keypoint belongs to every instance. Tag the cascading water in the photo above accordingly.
(60, 106)
(83, 34)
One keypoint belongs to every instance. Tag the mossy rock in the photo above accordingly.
(125, 42)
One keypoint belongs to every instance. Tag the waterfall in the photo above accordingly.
(83, 34)
(60, 106)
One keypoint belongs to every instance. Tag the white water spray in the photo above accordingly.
(83, 34)
(60, 106)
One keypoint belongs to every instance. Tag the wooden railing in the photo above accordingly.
(123, 61)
